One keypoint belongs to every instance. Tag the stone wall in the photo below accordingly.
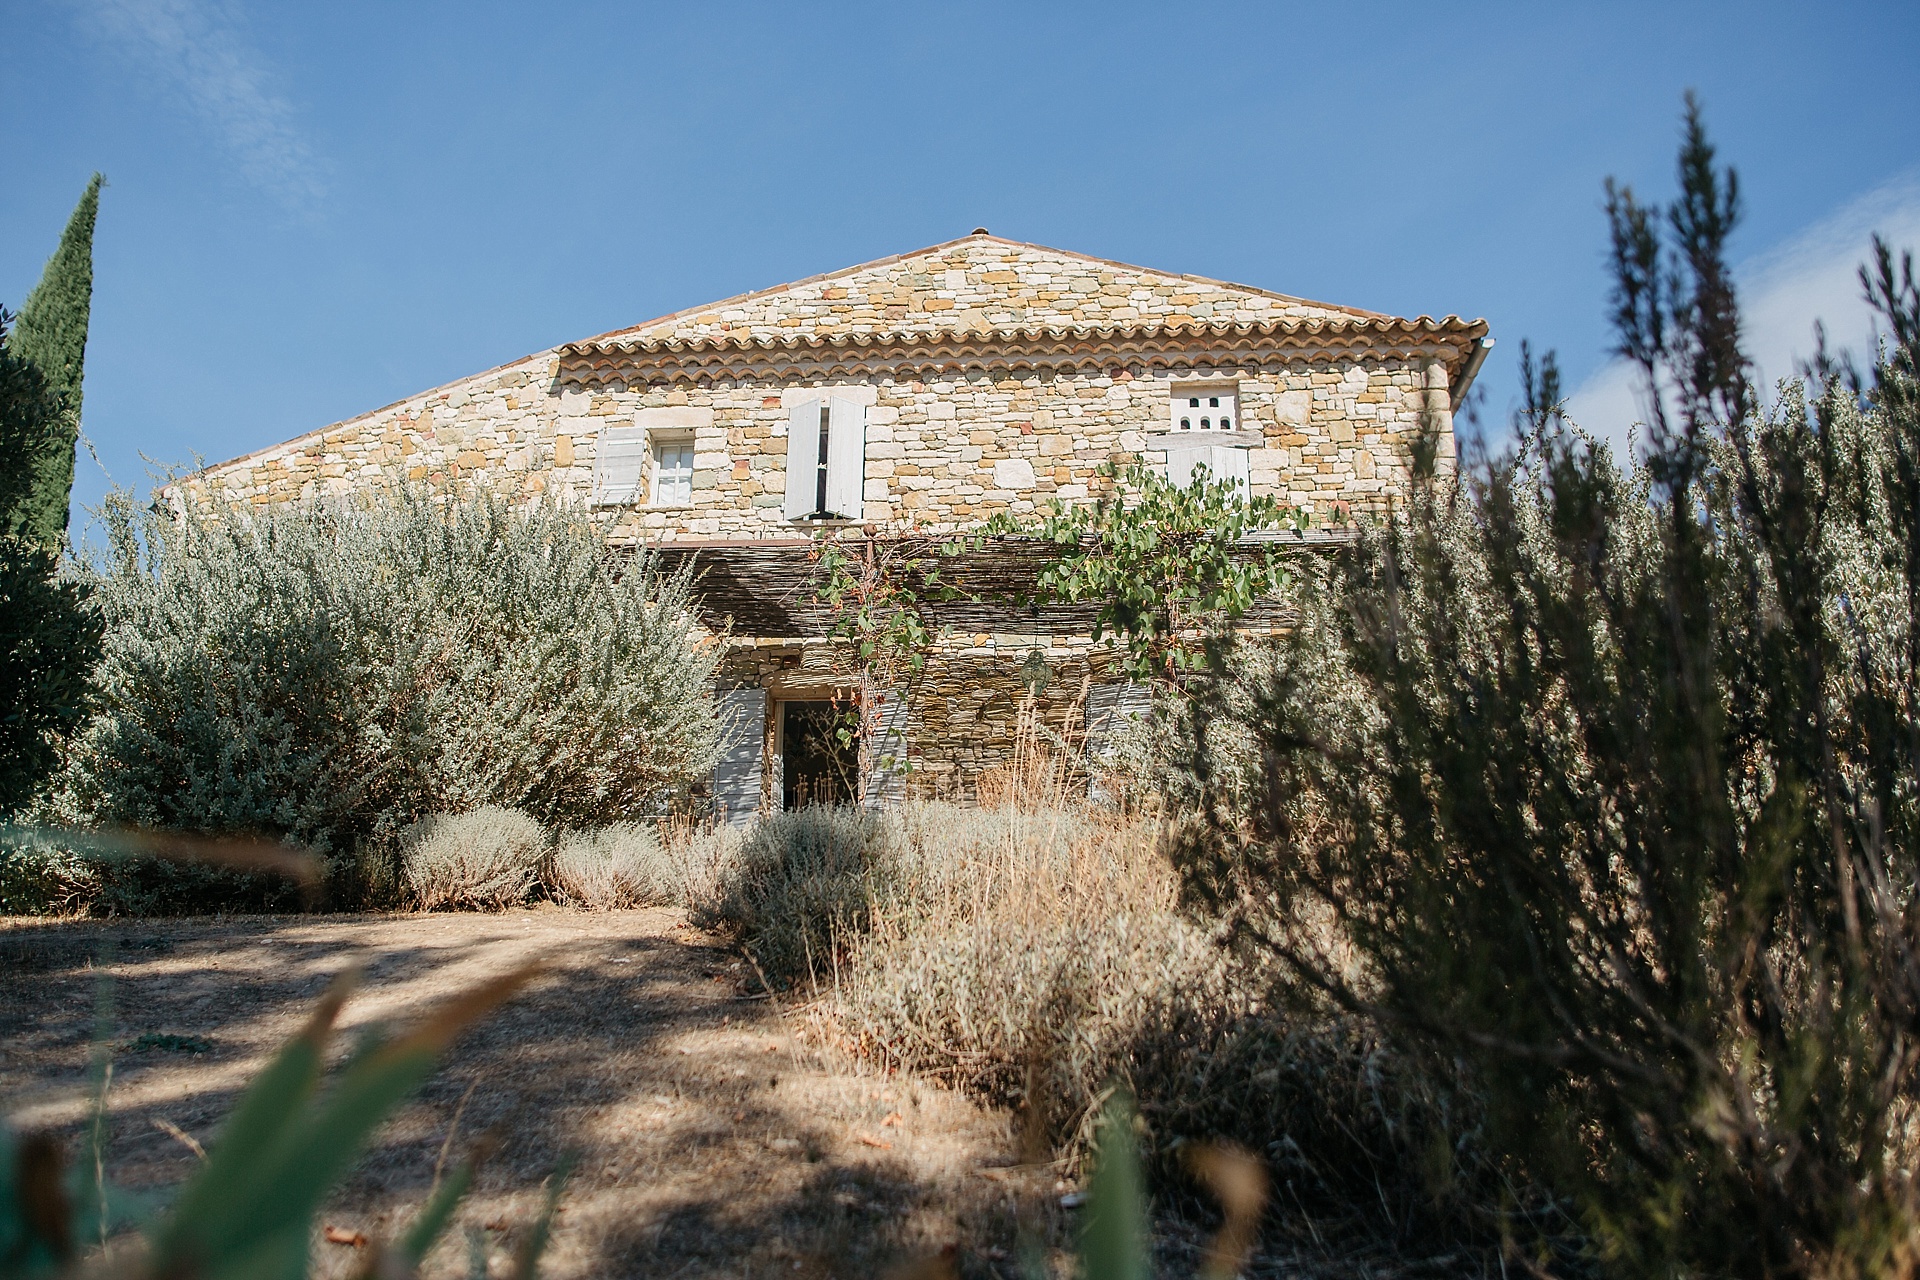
(946, 452)
(982, 282)
(962, 707)
(944, 448)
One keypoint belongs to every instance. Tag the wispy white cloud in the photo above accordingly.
(197, 53)
(1812, 276)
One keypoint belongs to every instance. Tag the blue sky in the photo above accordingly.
(316, 210)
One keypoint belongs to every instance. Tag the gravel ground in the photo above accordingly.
(713, 1137)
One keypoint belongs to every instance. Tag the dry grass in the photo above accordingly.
(1023, 955)
(1035, 954)
(699, 855)
(1044, 771)
(1037, 958)
(1052, 944)
(801, 884)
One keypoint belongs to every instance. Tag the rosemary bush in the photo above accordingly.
(1604, 784)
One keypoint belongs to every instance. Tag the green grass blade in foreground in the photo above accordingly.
(287, 1254)
(434, 1215)
(526, 1261)
(266, 1112)
(93, 1217)
(476, 1254)
(1113, 1240)
(310, 1160)
(318, 1153)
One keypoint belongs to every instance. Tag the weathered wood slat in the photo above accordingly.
(770, 588)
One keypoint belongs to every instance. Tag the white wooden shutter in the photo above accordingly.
(1180, 466)
(847, 459)
(1230, 463)
(619, 464)
(737, 773)
(1109, 707)
(1225, 462)
(886, 781)
(803, 459)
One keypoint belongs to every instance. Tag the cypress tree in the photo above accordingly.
(29, 412)
(52, 333)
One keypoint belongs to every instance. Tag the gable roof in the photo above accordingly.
(1033, 304)
(978, 283)
(1169, 348)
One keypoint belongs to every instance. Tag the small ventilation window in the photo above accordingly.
(1212, 408)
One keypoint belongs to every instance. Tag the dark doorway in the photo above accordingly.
(815, 766)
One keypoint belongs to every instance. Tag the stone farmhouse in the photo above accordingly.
(934, 388)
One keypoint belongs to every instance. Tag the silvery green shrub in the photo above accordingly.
(804, 882)
(488, 859)
(613, 867)
(327, 674)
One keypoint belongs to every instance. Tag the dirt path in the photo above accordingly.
(712, 1139)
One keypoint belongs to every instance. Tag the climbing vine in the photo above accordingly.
(875, 587)
(1168, 566)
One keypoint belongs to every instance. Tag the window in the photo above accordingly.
(672, 473)
(652, 458)
(1204, 429)
(1207, 409)
(826, 459)
(826, 452)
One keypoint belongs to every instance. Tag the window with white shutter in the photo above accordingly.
(1223, 462)
(738, 768)
(826, 460)
(846, 459)
(1109, 708)
(1230, 463)
(619, 465)
(806, 422)
(886, 783)
(672, 472)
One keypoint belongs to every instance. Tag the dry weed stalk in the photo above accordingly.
(1042, 771)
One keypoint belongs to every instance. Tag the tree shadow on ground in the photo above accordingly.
(709, 1138)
